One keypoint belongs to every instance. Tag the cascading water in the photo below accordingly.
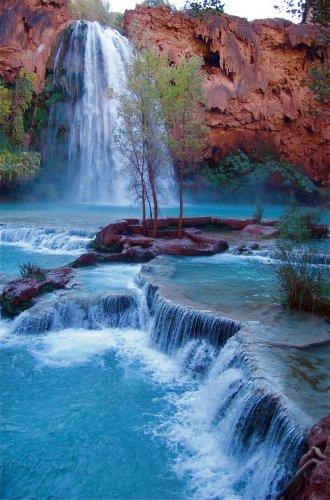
(89, 61)
(241, 438)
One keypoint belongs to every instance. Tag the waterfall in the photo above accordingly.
(256, 441)
(46, 238)
(89, 61)
(101, 311)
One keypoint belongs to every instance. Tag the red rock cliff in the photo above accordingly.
(254, 81)
(28, 30)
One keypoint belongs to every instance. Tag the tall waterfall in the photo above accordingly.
(89, 61)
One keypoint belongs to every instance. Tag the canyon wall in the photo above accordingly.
(28, 32)
(255, 76)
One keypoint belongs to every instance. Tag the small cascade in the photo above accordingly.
(101, 311)
(45, 238)
(89, 61)
(175, 325)
(253, 426)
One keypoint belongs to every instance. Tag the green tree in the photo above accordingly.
(91, 10)
(307, 10)
(140, 135)
(182, 97)
(200, 7)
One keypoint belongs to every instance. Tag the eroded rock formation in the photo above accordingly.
(28, 31)
(255, 75)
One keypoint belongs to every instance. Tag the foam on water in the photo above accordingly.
(46, 239)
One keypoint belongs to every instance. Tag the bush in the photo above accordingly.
(259, 213)
(16, 167)
(302, 284)
(295, 223)
(32, 271)
(237, 172)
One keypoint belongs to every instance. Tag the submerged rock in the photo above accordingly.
(17, 294)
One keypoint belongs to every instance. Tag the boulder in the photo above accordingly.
(87, 259)
(260, 231)
(17, 295)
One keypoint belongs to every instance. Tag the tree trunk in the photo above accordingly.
(152, 182)
(143, 206)
(180, 234)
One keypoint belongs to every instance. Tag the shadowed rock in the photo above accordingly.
(17, 294)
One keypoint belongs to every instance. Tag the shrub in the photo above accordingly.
(91, 10)
(302, 284)
(295, 223)
(16, 167)
(259, 213)
(239, 172)
(319, 82)
(32, 271)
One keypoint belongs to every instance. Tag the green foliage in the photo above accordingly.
(295, 223)
(201, 7)
(317, 11)
(5, 104)
(237, 170)
(95, 10)
(183, 100)
(17, 167)
(20, 100)
(156, 3)
(303, 286)
(319, 82)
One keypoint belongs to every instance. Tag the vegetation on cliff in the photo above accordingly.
(17, 164)
(95, 10)
(249, 176)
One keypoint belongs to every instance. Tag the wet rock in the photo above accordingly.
(319, 231)
(233, 224)
(87, 259)
(17, 295)
(261, 231)
(312, 480)
(109, 238)
(197, 236)
(184, 247)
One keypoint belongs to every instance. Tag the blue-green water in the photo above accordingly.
(101, 413)
(79, 415)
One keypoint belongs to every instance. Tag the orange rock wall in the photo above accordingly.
(28, 31)
(254, 81)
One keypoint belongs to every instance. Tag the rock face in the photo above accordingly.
(28, 31)
(18, 294)
(254, 81)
